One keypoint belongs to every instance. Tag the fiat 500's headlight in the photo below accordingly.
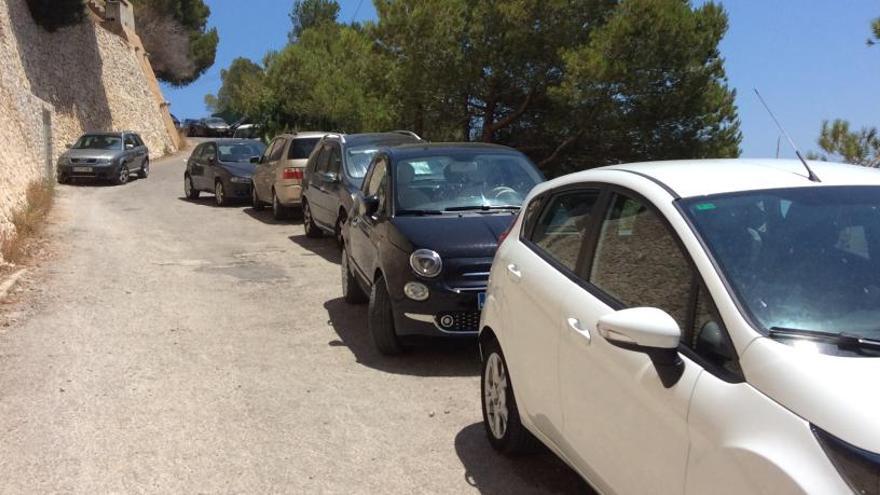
(426, 263)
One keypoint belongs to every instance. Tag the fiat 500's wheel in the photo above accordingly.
(381, 320)
(351, 289)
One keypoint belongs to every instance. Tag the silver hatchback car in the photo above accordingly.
(278, 179)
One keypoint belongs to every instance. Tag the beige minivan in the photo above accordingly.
(278, 179)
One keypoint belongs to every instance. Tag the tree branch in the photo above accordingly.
(559, 149)
(489, 129)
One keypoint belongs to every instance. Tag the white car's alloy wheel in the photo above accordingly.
(495, 396)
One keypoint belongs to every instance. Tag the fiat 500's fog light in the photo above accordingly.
(426, 263)
(416, 291)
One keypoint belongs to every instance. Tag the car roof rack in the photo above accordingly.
(408, 133)
(339, 135)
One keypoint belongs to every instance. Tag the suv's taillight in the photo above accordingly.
(292, 173)
(504, 234)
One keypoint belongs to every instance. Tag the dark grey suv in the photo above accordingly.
(334, 171)
(112, 156)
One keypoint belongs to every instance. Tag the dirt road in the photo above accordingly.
(176, 347)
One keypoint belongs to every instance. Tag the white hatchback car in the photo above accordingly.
(692, 327)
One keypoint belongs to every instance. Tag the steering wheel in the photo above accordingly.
(500, 191)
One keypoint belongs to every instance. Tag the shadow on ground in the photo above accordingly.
(208, 200)
(441, 358)
(265, 216)
(86, 182)
(490, 472)
(324, 247)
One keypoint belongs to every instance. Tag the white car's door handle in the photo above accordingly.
(575, 325)
(514, 271)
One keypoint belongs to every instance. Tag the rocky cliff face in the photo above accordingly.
(56, 86)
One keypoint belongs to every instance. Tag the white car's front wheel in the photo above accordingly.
(500, 416)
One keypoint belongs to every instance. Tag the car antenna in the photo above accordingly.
(813, 177)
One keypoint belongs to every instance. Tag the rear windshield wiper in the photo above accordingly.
(419, 212)
(482, 208)
(840, 339)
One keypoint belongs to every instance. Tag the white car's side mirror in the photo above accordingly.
(647, 328)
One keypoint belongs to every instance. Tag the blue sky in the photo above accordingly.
(807, 57)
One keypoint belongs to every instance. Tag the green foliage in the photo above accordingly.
(329, 80)
(241, 92)
(840, 143)
(198, 43)
(875, 32)
(56, 14)
(311, 13)
(573, 83)
(651, 85)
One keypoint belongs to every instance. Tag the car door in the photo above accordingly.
(140, 150)
(130, 153)
(326, 183)
(364, 234)
(209, 165)
(622, 425)
(540, 268)
(276, 163)
(262, 173)
(196, 166)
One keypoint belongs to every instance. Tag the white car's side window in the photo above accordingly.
(562, 226)
(638, 262)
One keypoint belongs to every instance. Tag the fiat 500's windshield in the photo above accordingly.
(458, 182)
(804, 258)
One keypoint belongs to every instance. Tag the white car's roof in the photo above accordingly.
(689, 178)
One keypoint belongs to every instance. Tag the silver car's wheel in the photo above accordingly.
(495, 395)
(124, 173)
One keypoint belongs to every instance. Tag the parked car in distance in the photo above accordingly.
(422, 235)
(278, 179)
(112, 156)
(188, 126)
(692, 327)
(223, 167)
(210, 127)
(247, 131)
(334, 171)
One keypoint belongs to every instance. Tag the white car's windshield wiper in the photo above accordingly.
(482, 208)
(840, 339)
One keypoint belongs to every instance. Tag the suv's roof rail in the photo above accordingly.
(339, 135)
(408, 133)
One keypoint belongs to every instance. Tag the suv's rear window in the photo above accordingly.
(301, 148)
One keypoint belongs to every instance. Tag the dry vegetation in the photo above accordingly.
(29, 221)
(184, 141)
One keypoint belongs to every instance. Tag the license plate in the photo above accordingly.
(481, 300)
(82, 169)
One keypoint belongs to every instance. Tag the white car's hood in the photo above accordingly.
(837, 394)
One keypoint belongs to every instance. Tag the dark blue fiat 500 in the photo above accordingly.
(420, 241)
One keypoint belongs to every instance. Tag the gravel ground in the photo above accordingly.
(170, 346)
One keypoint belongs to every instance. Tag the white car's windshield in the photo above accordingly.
(98, 142)
(463, 181)
(803, 259)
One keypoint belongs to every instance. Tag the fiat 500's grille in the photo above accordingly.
(459, 322)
